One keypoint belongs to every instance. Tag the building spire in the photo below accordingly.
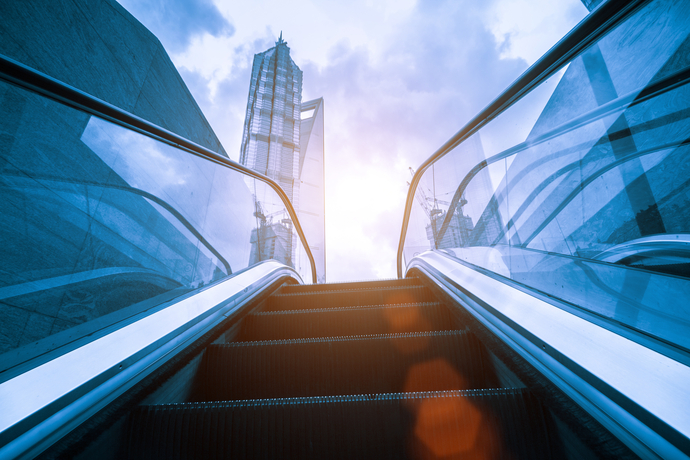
(280, 39)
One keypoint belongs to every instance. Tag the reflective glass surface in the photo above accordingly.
(101, 223)
(582, 188)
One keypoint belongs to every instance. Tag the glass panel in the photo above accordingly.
(101, 223)
(584, 193)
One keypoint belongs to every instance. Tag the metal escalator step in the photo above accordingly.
(496, 424)
(330, 322)
(348, 285)
(382, 363)
(307, 300)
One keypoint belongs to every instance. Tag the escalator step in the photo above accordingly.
(330, 322)
(480, 424)
(348, 285)
(385, 363)
(308, 300)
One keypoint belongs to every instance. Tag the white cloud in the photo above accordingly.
(526, 29)
(176, 22)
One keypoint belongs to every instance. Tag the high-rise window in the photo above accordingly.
(270, 140)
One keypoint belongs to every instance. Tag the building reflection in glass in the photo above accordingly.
(580, 189)
(271, 239)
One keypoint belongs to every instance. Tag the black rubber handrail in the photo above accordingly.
(31, 79)
(587, 32)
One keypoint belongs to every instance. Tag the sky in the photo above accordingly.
(398, 78)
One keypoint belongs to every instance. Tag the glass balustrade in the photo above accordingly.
(101, 223)
(581, 189)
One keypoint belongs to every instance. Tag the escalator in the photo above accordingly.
(355, 370)
(147, 315)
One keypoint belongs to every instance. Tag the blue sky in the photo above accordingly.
(398, 78)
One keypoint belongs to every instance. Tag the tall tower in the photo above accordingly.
(270, 140)
(311, 176)
(284, 139)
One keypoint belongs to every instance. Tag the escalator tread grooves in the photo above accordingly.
(320, 367)
(346, 321)
(322, 411)
(349, 308)
(353, 290)
(342, 338)
(310, 426)
(353, 297)
(400, 396)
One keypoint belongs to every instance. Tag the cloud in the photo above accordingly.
(177, 22)
(386, 114)
(436, 72)
(528, 35)
(222, 92)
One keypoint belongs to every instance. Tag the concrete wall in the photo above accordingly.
(98, 47)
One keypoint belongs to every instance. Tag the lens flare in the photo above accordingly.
(436, 374)
(448, 426)
(406, 319)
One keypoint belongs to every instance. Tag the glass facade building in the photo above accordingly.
(270, 139)
(283, 139)
(312, 206)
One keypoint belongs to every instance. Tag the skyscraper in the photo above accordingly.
(311, 175)
(284, 139)
(270, 139)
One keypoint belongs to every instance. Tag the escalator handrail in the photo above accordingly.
(589, 30)
(33, 80)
